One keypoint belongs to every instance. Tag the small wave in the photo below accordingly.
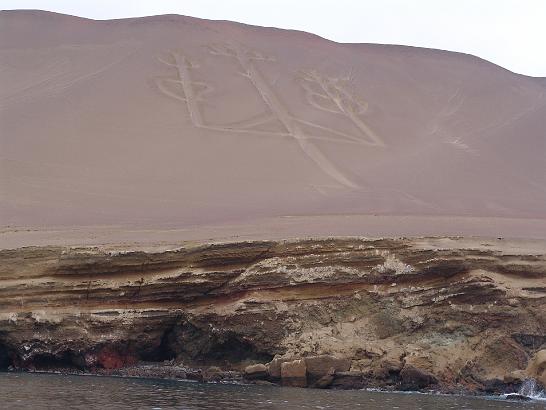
(530, 390)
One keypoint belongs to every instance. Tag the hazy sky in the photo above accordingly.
(511, 33)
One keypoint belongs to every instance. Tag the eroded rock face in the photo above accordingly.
(415, 378)
(294, 373)
(445, 313)
(326, 380)
(256, 371)
(319, 366)
(537, 367)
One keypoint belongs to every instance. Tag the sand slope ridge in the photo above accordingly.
(171, 120)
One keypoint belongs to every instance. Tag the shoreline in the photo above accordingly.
(243, 382)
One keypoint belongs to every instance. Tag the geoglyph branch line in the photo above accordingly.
(284, 116)
(191, 97)
(343, 103)
(182, 65)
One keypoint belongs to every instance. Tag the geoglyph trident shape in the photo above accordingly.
(324, 93)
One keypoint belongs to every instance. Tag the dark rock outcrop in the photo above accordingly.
(415, 378)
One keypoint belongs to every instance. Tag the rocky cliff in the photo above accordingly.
(445, 313)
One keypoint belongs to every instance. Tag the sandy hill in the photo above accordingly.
(173, 121)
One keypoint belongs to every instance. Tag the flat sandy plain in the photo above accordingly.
(171, 128)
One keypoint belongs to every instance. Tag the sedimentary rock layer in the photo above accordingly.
(447, 313)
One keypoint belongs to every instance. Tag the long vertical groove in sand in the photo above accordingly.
(185, 79)
(361, 125)
(284, 116)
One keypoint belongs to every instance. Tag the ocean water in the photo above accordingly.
(50, 391)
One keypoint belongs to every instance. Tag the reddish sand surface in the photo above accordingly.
(172, 128)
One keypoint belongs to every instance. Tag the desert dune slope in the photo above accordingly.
(176, 121)
(167, 184)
